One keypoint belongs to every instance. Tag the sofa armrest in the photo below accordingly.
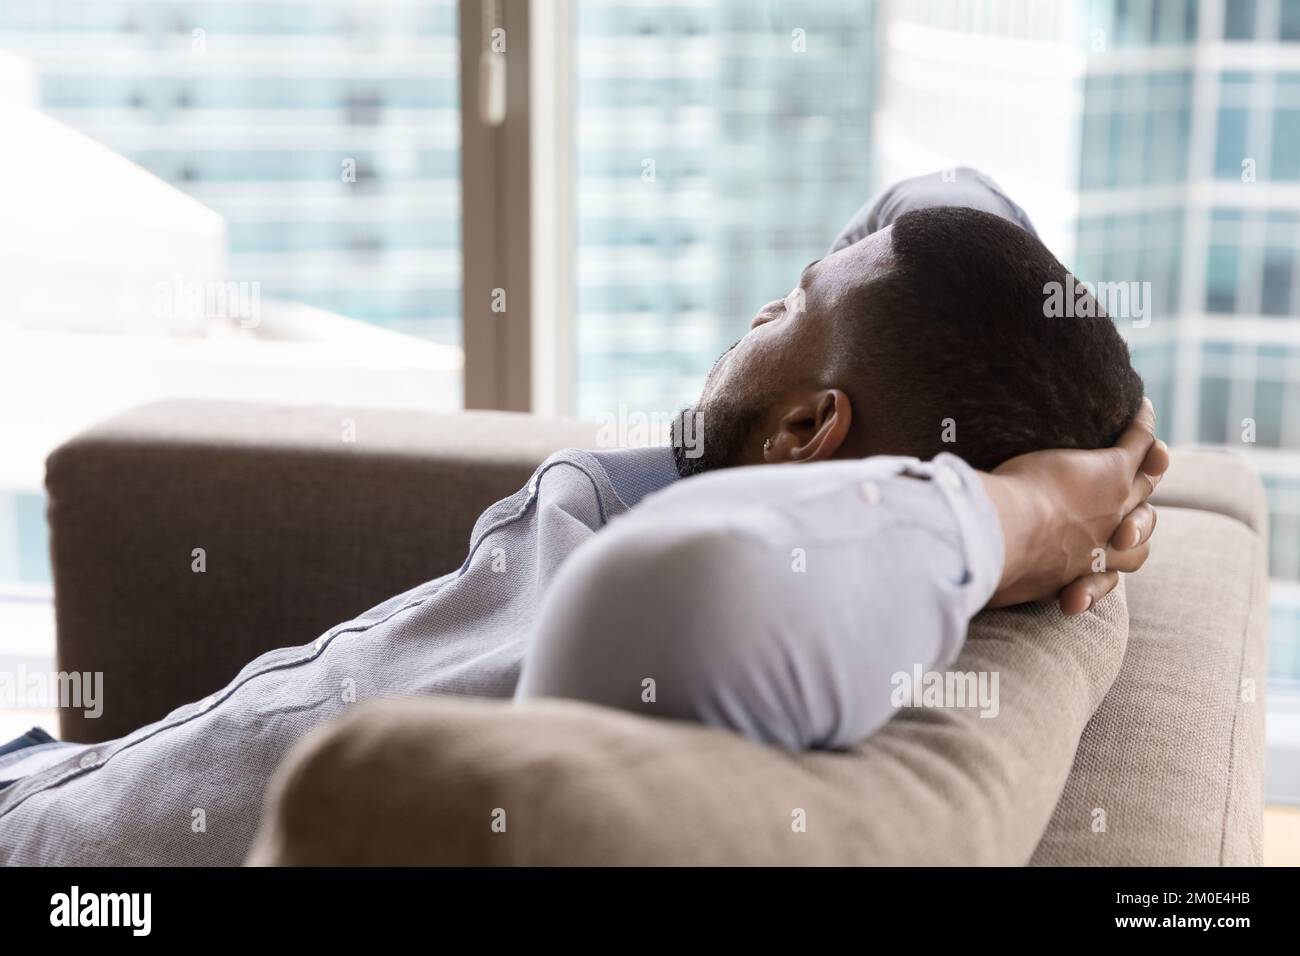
(306, 516)
(432, 781)
(1215, 481)
(1170, 771)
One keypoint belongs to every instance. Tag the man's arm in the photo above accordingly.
(783, 602)
(778, 602)
(1074, 519)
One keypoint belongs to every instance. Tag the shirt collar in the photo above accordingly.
(637, 472)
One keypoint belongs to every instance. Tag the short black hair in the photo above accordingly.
(954, 341)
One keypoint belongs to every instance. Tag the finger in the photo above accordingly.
(1139, 491)
(1140, 435)
(1135, 529)
(1156, 462)
(1083, 593)
(1128, 560)
(1148, 476)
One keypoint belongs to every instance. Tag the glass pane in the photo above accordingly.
(1268, 412)
(1230, 146)
(720, 148)
(1239, 20)
(1289, 22)
(230, 199)
(1214, 410)
(1286, 144)
(1275, 293)
(1221, 279)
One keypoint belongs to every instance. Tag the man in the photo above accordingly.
(924, 338)
(773, 601)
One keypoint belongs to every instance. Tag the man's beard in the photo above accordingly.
(712, 435)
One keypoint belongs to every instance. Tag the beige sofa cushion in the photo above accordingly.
(1172, 763)
(422, 781)
(1217, 481)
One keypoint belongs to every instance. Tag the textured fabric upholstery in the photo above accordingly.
(1215, 481)
(419, 781)
(301, 529)
(1172, 762)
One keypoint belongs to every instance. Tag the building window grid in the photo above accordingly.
(1136, 128)
(1246, 369)
(1244, 244)
(1269, 102)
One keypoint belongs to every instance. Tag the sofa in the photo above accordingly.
(1131, 735)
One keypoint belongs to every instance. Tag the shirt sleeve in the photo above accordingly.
(782, 602)
(956, 187)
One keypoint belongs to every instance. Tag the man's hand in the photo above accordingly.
(1072, 520)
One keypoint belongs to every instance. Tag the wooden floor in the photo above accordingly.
(1281, 836)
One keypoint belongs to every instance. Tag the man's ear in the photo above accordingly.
(812, 428)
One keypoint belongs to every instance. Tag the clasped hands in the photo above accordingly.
(1072, 520)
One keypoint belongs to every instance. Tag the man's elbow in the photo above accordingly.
(668, 623)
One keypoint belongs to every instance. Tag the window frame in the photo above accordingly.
(496, 211)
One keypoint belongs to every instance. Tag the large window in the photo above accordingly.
(687, 159)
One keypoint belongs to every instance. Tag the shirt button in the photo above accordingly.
(206, 703)
(949, 478)
(870, 492)
(89, 760)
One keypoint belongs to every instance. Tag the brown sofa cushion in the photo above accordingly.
(422, 781)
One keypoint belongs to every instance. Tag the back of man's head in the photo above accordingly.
(954, 349)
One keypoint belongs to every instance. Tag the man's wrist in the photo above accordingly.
(1020, 512)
